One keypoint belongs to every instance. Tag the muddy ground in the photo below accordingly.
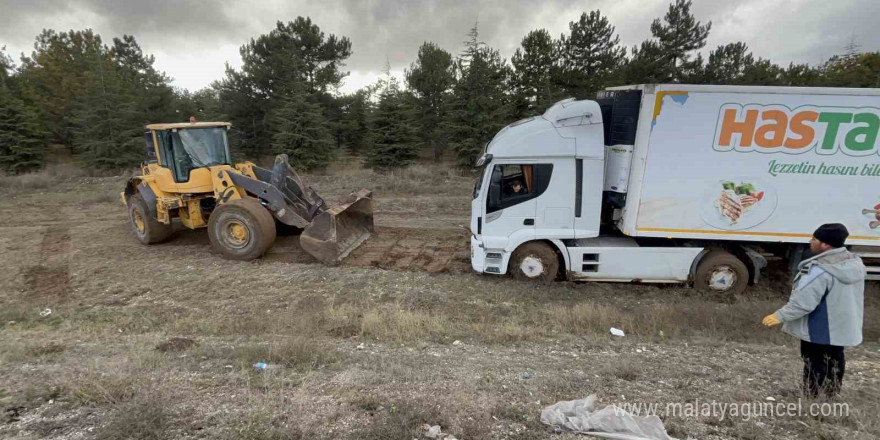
(105, 338)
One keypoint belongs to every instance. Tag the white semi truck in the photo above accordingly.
(678, 183)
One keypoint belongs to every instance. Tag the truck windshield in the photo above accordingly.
(201, 147)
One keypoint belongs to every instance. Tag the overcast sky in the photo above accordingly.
(192, 40)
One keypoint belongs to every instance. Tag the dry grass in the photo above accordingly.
(144, 418)
(95, 358)
(48, 177)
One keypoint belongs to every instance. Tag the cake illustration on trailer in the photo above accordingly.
(875, 223)
(736, 200)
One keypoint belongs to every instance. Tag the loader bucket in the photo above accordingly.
(339, 230)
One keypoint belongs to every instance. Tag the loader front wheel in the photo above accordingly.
(241, 229)
(146, 228)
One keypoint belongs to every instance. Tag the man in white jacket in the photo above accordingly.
(826, 309)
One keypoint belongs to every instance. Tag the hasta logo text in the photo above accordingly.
(778, 129)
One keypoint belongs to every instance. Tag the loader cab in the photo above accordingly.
(185, 151)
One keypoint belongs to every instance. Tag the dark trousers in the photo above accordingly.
(824, 366)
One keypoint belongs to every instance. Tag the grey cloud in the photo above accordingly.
(783, 31)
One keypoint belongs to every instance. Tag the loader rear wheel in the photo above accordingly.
(721, 272)
(146, 228)
(241, 229)
(534, 262)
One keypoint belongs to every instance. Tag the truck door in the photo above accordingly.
(510, 205)
(556, 207)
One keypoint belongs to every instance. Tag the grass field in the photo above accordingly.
(105, 338)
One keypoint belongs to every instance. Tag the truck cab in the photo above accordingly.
(539, 202)
(540, 180)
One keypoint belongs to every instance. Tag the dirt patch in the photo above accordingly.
(51, 277)
(421, 250)
(402, 249)
(47, 281)
(56, 241)
(175, 344)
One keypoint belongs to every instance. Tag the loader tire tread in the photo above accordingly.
(256, 219)
(154, 231)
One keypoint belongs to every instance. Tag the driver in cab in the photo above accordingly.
(516, 189)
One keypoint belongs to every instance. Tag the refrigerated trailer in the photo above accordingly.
(676, 183)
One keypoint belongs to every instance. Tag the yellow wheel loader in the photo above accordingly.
(189, 176)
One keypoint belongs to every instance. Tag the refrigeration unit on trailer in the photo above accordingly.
(678, 183)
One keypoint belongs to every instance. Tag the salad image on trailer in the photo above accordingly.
(677, 184)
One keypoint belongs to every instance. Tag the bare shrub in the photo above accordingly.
(144, 418)
(263, 423)
(96, 389)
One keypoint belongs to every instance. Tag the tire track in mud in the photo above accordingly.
(51, 277)
(400, 249)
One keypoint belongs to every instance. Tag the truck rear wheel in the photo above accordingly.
(146, 228)
(534, 261)
(241, 229)
(721, 272)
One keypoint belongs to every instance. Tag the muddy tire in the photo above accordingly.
(534, 262)
(146, 228)
(241, 229)
(721, 272)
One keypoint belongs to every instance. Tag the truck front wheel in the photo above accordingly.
(534, 262)
(720, 271)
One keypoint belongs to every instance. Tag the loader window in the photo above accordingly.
(197, 148)
(516, 183)
(166, 158)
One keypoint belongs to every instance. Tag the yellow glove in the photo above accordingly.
(771, 320)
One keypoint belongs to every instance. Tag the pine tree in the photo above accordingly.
(762, 73)
(482, 106)
(301, 130)
(22, 141)
(431, 78)
(536, 75)
(646, 65)
(107, 128)
(106, 120)
(678, 36)
(359, 112)
(294, 51)
(801, 75)
(154, 97)
(590, 53)
(393, 143)
(728, 64)
(57, 74)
